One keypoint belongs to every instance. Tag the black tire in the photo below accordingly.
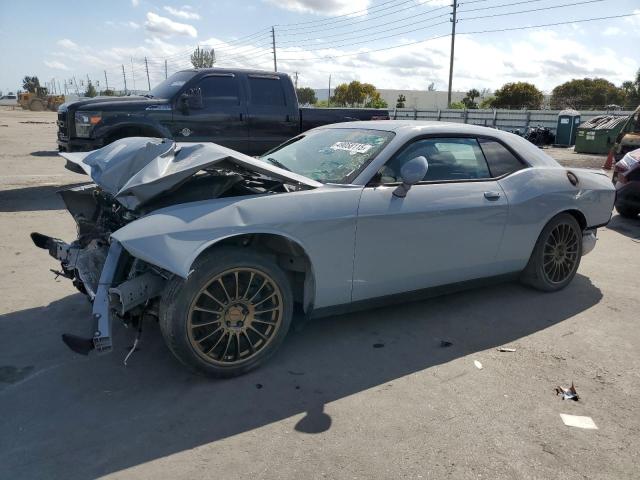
(627, 211)
(182, 302)
(551, 266)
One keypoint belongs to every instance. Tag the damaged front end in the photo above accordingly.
(134, 177)
(117, 284)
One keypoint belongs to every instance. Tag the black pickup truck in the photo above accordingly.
(247, 110)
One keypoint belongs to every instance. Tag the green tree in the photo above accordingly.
(401, 101)
(91, 90)
(630, 92)
(517, 95)
(487, 102)
(469, 99)
(108, 93)
(201, 58)
(357, 94)
(586, 92)
(31, 84)
(306, 96)
(457, 105)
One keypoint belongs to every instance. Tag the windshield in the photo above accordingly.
(171, 85)
(329, 155)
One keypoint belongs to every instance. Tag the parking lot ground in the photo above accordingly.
(376, 394)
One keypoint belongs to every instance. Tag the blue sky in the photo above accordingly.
(321, 37)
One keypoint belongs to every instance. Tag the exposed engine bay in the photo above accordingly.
(119, 285)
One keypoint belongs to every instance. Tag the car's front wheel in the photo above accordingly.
(230, 315)
(556, 255)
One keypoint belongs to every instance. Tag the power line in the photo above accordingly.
(567, 22)
(532, 10)
(371, 18)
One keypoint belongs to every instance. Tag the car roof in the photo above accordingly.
(248, 71)
(416, 126)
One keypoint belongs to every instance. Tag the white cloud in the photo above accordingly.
(129, 24)
(635, 20)
(186, 12)
(135, 3)
(323, 7)
(56, 65)
(610, 31)
(66, 43)
(166, 27)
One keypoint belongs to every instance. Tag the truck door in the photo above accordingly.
(215, 112)
(272, 110)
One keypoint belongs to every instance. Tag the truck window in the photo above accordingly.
(220, 90)
(266, 91)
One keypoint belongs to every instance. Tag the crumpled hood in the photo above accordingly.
(137, 169)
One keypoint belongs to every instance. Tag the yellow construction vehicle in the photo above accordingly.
(39, 101)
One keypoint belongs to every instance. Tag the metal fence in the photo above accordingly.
(501, 119)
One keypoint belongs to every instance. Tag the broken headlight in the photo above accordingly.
(85, 121)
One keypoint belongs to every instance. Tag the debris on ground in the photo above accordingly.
(568, 393)
(477, 364)
(505, 349)
(445, 343)
(578, 421)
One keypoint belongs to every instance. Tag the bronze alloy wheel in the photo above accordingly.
(235, 316)
(560, 253)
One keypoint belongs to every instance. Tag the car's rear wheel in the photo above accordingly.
(556, 255)
(627, 211)
(230, 315)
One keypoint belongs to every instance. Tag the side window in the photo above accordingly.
(449, 159)
(501, 161)
(266, 91)
(219, 90)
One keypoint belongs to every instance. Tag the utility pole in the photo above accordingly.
(146, 67)
(106, 81)
(124, 77)
(88, 81)
(132, 74)
(273, 42)
(329, 94)
(296, 77)
(165, 68)
(453, 45)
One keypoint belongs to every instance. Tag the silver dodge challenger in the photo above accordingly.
(224, 250)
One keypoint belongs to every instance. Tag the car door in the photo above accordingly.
(273, 115)
(216, 113)
(447, 229)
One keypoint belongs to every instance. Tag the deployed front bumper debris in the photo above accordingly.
(98, 271)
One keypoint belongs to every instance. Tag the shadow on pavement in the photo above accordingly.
(83, 417)
(42, 197)
(625, 226)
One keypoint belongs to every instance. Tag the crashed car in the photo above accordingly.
(222, 248)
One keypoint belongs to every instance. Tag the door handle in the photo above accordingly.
(492, 195)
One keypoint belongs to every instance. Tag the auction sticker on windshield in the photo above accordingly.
(351, 147)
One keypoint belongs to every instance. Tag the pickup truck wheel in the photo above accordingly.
(230, 315)
(556, 256)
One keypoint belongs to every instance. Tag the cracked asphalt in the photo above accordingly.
(387, 393)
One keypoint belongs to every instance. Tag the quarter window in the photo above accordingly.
(266, 91)
(501, 161)
(449, 159)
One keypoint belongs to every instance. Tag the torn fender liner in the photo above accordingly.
(136, 169)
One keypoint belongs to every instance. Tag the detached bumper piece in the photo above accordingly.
(108, 298)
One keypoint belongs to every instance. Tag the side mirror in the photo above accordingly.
(411, 173)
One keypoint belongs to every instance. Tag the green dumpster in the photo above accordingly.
(568, 121)
(599, 134)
